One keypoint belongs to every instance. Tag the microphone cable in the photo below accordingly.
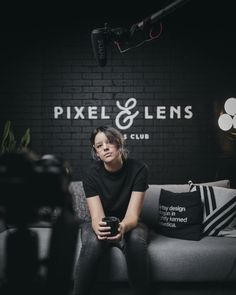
(151, 37)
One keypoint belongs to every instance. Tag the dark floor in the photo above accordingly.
(157, 289)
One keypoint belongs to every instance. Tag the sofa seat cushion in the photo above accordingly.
(177, 260)
(171, 259)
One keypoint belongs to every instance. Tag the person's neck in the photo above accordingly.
(114, 166)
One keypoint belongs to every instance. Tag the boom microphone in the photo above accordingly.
(98, 39)
(101, 36)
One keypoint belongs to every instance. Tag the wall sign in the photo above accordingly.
(126, 114)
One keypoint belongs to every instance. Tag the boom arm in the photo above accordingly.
(101, 36)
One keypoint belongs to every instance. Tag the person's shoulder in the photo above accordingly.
(92, 168)
(139, 164)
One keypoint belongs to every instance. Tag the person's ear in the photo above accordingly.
(97, 154)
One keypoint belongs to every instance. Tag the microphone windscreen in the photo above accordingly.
(98, 39)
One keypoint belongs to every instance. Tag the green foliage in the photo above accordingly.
(9, 143)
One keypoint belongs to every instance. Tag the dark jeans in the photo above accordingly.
(134, 247)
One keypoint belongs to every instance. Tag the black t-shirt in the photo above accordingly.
(115, 188)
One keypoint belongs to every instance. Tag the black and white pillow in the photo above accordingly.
(219, 208)
(180, 215)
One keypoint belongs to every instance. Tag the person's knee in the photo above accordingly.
(138, 237)
(91, 242)
(89, 239)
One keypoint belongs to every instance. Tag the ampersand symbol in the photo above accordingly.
(126, 113)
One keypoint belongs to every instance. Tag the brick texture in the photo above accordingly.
(186, 66)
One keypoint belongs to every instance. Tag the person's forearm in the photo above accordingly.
(96, 212)
(129, 222)
(95, 208)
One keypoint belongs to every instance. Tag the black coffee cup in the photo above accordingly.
(113, 222)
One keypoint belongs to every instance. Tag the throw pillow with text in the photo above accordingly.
(180, 215)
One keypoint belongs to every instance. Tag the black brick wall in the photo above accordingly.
(187, 65)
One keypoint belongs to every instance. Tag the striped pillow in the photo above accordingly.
(219, 208)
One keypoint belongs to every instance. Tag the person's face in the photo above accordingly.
(105, 150)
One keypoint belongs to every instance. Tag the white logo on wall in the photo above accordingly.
(126, 115)
(227, 120)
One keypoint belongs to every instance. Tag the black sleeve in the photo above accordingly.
(141, 180)
(89, 184)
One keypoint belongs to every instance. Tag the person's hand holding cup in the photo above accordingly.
(114, 224)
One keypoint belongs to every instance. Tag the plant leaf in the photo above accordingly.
(25, 140)
(9, 143)
(6, 131)
(12, 142)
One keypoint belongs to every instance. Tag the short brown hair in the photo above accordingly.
(113, 135)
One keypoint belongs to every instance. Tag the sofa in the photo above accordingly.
(177, 265)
